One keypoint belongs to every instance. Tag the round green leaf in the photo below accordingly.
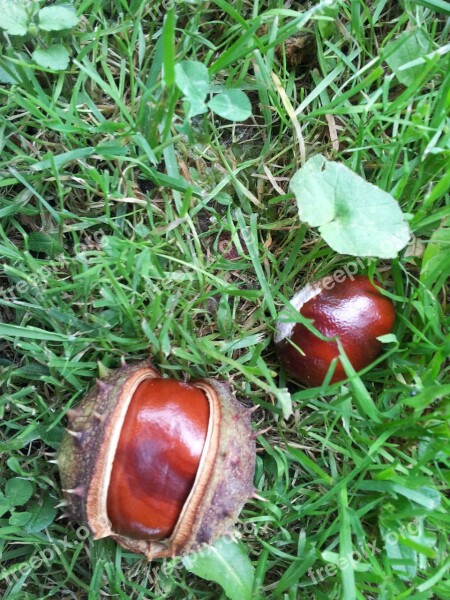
(5, 505)
(58, 17)
(233, 105)
(38, 241)
(55, 57)
(353, 216)
(18, 519)
(14, 18)
(41, 516)
(18, 491)
(192, 78)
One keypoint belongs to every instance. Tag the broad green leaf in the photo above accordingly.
(14, 18)
(5, 504)
(233, 105)
(57, 17)
(54, 57)
(227, 564)
(436, 259)
(192, 78)
(42, 515)
(353, 216)
(18, 491)
(45, 243)
(409, 46)
(19, 518)
(325, 20)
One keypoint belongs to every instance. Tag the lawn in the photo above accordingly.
(146, 211)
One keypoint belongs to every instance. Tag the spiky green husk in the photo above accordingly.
(222, 486)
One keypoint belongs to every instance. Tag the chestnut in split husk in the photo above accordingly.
(353, 310)
(161, 466)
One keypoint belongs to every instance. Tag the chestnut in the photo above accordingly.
(353, 310)
(161, 466)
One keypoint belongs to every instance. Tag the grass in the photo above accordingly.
(114, 213)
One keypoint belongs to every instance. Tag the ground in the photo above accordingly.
(130, 230)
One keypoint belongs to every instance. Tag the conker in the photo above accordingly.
(161, 466)
(353, 310)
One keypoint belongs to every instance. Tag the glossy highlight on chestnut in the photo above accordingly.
(354, 311)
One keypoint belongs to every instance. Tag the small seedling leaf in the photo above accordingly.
(42, 515)
(233, 105)
(353, 216)
(56, 18)
(227, 564)
(18, 491)
(192, 78)
(284, 401)
(326, 20)
(55, 57)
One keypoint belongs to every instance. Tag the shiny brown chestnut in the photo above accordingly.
(161, 466)
(353, 310)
